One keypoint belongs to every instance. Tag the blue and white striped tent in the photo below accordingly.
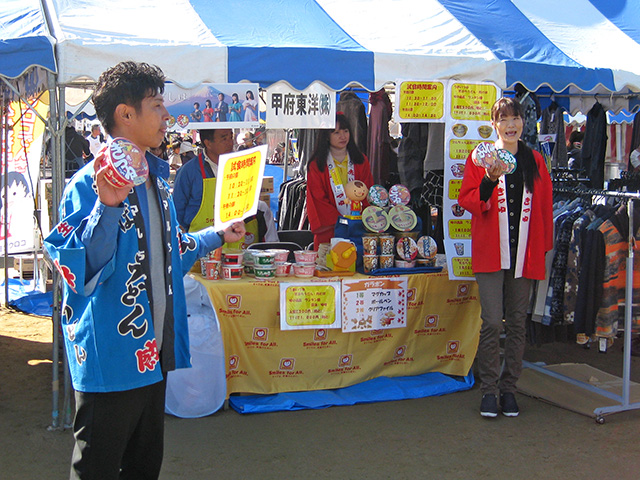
(369, 43)
(26, 46)
(578, 44)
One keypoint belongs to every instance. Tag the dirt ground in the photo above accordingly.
(436, 437)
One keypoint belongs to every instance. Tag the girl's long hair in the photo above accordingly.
(322, 145)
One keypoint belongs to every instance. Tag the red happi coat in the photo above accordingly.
(485, 234)
(321, 204)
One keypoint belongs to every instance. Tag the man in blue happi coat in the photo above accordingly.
(122, 256)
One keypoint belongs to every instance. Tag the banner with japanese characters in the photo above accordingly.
(309, 305)
(212, 105)
(467, 123)
(314, 107)
(24, 149)
(374, 303)
(238, 185)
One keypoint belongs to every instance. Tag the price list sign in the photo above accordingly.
(374, 303)
(238, 185)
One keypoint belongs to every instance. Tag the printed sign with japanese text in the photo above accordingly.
(314, 107)
(309, 305)
(238, 185)
(374, 303)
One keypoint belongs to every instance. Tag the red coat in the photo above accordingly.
(321, 204)
(485, 241)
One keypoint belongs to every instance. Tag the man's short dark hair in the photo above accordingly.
(128, 83)
(208, 134)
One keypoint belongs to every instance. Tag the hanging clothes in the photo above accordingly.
(379, 139)
(292, 200)
(594, 146)
(553, 123)
(307, 139)
(635, 139)
(412, 152)
(356, 113)
(532, 111)
(615, 232)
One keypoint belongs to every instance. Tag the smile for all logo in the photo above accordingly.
(453, 346)
(287, 363)
(345, 360)
(400, 351)
(411, 294)
(233, 362)
(233, 301)
(320, 334)
(463, 290)
(431, 321)
(260, 334)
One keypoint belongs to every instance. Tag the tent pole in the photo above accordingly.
(55, 200)
(62, 123)
(5, 187)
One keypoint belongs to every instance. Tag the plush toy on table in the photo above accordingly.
(356, 192)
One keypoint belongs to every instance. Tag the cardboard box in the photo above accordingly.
(267, 185)
(266, 197)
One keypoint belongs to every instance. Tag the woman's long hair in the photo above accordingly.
(526, 160)
(322, 145)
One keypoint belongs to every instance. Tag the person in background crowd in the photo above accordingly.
(574, 149)
(247, 141)
(77, 151)
(508, 247)
(175, 160)
(235, 109)
(160, 151)
(208, 111)
(187, 150)
(122, 260)
(196, 115)
(95, 139)
(222, 109)
(250, 106)
(195, 187)
(335, 162)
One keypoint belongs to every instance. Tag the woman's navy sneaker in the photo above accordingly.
(489, 405)
(509, 405)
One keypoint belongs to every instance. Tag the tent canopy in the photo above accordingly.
(25, 42)
(582, 43)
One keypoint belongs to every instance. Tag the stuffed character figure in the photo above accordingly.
(356, 192)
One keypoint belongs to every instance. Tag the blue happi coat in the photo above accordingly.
(106, 315)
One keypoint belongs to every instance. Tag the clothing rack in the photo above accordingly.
(624, 404)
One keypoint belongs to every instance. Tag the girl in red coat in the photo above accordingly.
(335, 162)
(511, 230)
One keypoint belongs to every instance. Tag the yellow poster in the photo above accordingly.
(472, 101)
(24, 148)
(309, 305)
(420, 101)
(238, 185)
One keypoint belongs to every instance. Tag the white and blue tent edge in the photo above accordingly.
(366, 43)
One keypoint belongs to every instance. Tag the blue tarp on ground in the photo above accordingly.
(381, 389)
(23, 297)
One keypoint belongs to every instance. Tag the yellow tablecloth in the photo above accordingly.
(443, 325)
